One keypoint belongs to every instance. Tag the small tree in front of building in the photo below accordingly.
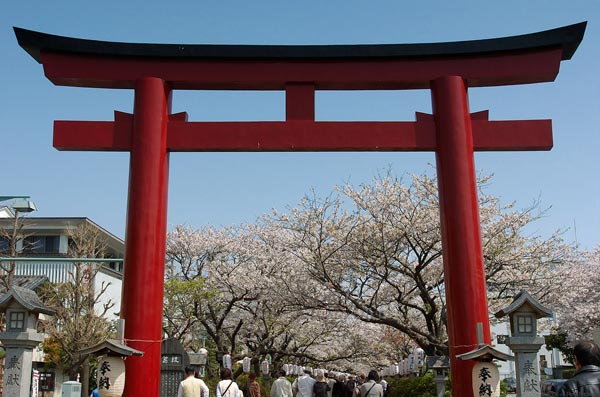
(13, 241)
(80, 320)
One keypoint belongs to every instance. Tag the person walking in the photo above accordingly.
(227, 387)
(253, 388)
(339, 388)
(281, 387)
(384, 385)
(586, 381)
(321, 386)
(192, 386)
(371, 388)
(350, 386)
(330, 378)
(304, 385)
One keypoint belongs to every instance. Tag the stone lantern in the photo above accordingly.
(440, 365)
(523, 312)
(22, 308)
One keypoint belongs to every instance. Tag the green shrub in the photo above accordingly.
(503, 389)
(422, 386)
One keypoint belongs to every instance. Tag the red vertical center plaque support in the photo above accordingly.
(447, 69)
(146, 234)
(464, 274)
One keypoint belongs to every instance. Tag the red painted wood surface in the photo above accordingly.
(389, 74)
(302, 135)
(145, 237)
(464, 273)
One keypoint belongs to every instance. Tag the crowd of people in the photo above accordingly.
(585, 383)
(324, 384)
(328, 385)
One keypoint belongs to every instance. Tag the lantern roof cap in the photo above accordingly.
(25, 297)
(112, 347)
(522, 299)
(567, 37)
(485, 353)
(437, 362)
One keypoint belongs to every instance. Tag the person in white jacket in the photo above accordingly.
(227, 387)
(304, 385)
(192, 386)
(281, 387)
(371, 388)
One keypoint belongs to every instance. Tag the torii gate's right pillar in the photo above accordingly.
(466, 297)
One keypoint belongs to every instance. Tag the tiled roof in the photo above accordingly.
(112, 347)
(521, 299)
(29, 282)
(26, 297)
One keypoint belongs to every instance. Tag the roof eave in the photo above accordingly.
(568, 38)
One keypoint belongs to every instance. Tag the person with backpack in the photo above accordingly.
(371, 388)
(304, 384)
(227, 387)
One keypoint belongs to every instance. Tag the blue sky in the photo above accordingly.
(229, 188)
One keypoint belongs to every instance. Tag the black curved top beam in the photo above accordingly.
(567, 38)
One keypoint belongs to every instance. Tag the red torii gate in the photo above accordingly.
(447, 69)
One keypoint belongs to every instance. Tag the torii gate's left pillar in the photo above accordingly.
(146, 234)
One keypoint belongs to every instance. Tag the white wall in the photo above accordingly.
(113, 292)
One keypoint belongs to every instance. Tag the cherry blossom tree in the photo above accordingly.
(355, 278)
(577, 297)
(231, 283)
(209, 274)
(375, 252)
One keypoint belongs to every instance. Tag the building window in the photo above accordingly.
(41, 244)
(4, 244)
(16, 321)
(525, 324)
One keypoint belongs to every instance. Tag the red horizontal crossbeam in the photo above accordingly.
(390, 74)
(303, 136)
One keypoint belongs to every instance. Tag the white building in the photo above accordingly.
(48, 238)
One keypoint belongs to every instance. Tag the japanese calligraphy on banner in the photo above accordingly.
(246, 364)
(486, 380)
(35, 381)
(111, 377)
(227, 361)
